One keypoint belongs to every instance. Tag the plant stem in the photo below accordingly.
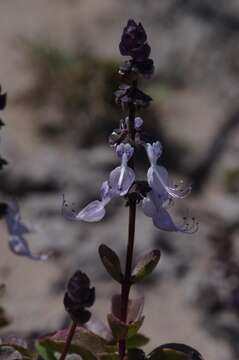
(125, 289)
(127, 284)
(68, 340)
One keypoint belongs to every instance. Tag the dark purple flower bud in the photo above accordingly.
(78, 296)
(77, 312)
(78, 289)
(133, 41)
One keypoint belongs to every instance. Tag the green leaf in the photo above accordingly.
(145, 266)
(134, 327)
(174, 351)
(138, 340)
(121, 330)
(85, 343)
(111, 262)
(45, 352)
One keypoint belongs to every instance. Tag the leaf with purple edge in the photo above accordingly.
(85, 343)
(119, 328)
(145, 266)
(138, 340)
(111, 262)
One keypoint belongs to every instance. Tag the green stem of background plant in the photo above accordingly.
(125, 289)
(70, 335)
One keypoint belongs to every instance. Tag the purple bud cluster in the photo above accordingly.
(78, 296)
(134, 44)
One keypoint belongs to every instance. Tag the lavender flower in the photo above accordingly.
(122, 177)
(155, 207)
(119, 183)
(17, 231)
(158, 177)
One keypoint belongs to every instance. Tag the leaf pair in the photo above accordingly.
(144, 267)
(121, 330)
(85, 343)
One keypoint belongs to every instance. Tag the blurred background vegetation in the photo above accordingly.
(59, 63)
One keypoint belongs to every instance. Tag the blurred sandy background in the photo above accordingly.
(58, 64)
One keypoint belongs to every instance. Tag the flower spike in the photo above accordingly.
(158, 177)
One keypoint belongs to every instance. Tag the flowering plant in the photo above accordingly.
(87, 336)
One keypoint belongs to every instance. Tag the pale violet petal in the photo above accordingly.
(17, 243)
(148, 207)
(163, 221)
(13, 220)
(154, 151)
(107, 193)
(121, 179)
(93, 212)
(124, 149)
(157, 179)
(19, 246)
(158, 175)
(138, 122)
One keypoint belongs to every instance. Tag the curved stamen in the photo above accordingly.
(67, 210)
(177, 191)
